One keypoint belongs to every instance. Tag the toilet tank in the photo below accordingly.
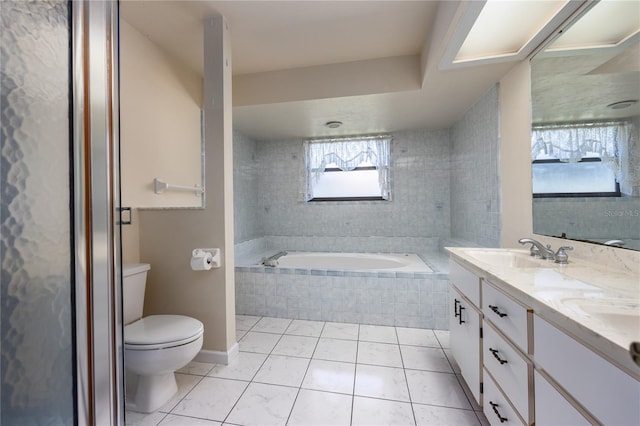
(134, 280)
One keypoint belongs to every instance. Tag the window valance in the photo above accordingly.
(572, 142)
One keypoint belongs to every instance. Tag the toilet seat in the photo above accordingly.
(161, 331)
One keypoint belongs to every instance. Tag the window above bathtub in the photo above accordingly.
(348, 169)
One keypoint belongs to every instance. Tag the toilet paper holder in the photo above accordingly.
(211, 255)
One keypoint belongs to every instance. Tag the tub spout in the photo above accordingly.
(272, 261)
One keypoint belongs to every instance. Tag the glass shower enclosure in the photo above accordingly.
(61, 350)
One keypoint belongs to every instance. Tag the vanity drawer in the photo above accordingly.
(467, 282)
(510, 369)
(512, 318)
(496, 407)
(605, 391)
(552, 408)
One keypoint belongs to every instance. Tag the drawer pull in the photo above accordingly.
(456, 303)
(496, 356)
(497, 312)
(460, 320)
(495, 410)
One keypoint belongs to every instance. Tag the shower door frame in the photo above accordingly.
(97, 238)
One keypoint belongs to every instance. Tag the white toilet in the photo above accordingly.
(154, 347)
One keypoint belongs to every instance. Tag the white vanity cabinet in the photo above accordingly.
(465, 320)
(541, 362)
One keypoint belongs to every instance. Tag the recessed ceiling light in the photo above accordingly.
(333, 124)
(622, 104)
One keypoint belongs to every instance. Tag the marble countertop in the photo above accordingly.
(599, 306)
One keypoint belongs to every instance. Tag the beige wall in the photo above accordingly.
(515, 155)
(167, 237)
(160, 127)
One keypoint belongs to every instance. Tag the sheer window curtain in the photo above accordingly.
(347, 154)
(573, 142)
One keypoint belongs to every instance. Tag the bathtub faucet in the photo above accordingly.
(272, 261)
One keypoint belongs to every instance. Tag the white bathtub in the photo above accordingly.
(354, 261)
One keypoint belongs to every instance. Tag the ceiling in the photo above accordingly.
(576, 86)
(593, 65)
(376, 66)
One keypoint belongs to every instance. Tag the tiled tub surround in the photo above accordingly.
(475, 176)
(269, 178)
(248, 253)
(404, 299)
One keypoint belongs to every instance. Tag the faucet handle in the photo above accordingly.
(534, 251)
(561, 256)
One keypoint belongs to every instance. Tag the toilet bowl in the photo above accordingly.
(154, 347)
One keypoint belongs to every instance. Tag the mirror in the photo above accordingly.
(585, 88)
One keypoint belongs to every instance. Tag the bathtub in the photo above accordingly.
(353, 261)
(405, 290)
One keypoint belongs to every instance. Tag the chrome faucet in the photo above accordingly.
(538, 249)
(617, 243)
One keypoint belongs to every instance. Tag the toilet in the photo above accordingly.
(154, 347)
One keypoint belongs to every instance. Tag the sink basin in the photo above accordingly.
(619, 314)
(507, 259)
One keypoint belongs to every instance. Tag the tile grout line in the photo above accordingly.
(355, 376)
(254, 374)
(305, 373)
(184, 396)
(406, 380)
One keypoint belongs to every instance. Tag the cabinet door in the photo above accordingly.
(553, 409)
(608, 393)
(464, 327)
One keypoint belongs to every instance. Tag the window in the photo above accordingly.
(347, 169)
(589, 176)
(577, 160)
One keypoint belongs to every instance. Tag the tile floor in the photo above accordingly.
(292, 372)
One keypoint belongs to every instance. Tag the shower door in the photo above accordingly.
(61, 346)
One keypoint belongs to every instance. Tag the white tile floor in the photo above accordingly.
(292, 372)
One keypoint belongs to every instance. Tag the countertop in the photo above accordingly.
(598, 306)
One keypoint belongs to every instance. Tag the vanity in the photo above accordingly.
(542, 343)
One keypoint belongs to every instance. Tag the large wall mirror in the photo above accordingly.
(585, 88)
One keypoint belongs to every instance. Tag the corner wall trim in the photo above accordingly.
(218, 357)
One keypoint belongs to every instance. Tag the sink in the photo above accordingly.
(619, 314)
(508, 259)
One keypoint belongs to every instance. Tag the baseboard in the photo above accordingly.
(218, 357)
